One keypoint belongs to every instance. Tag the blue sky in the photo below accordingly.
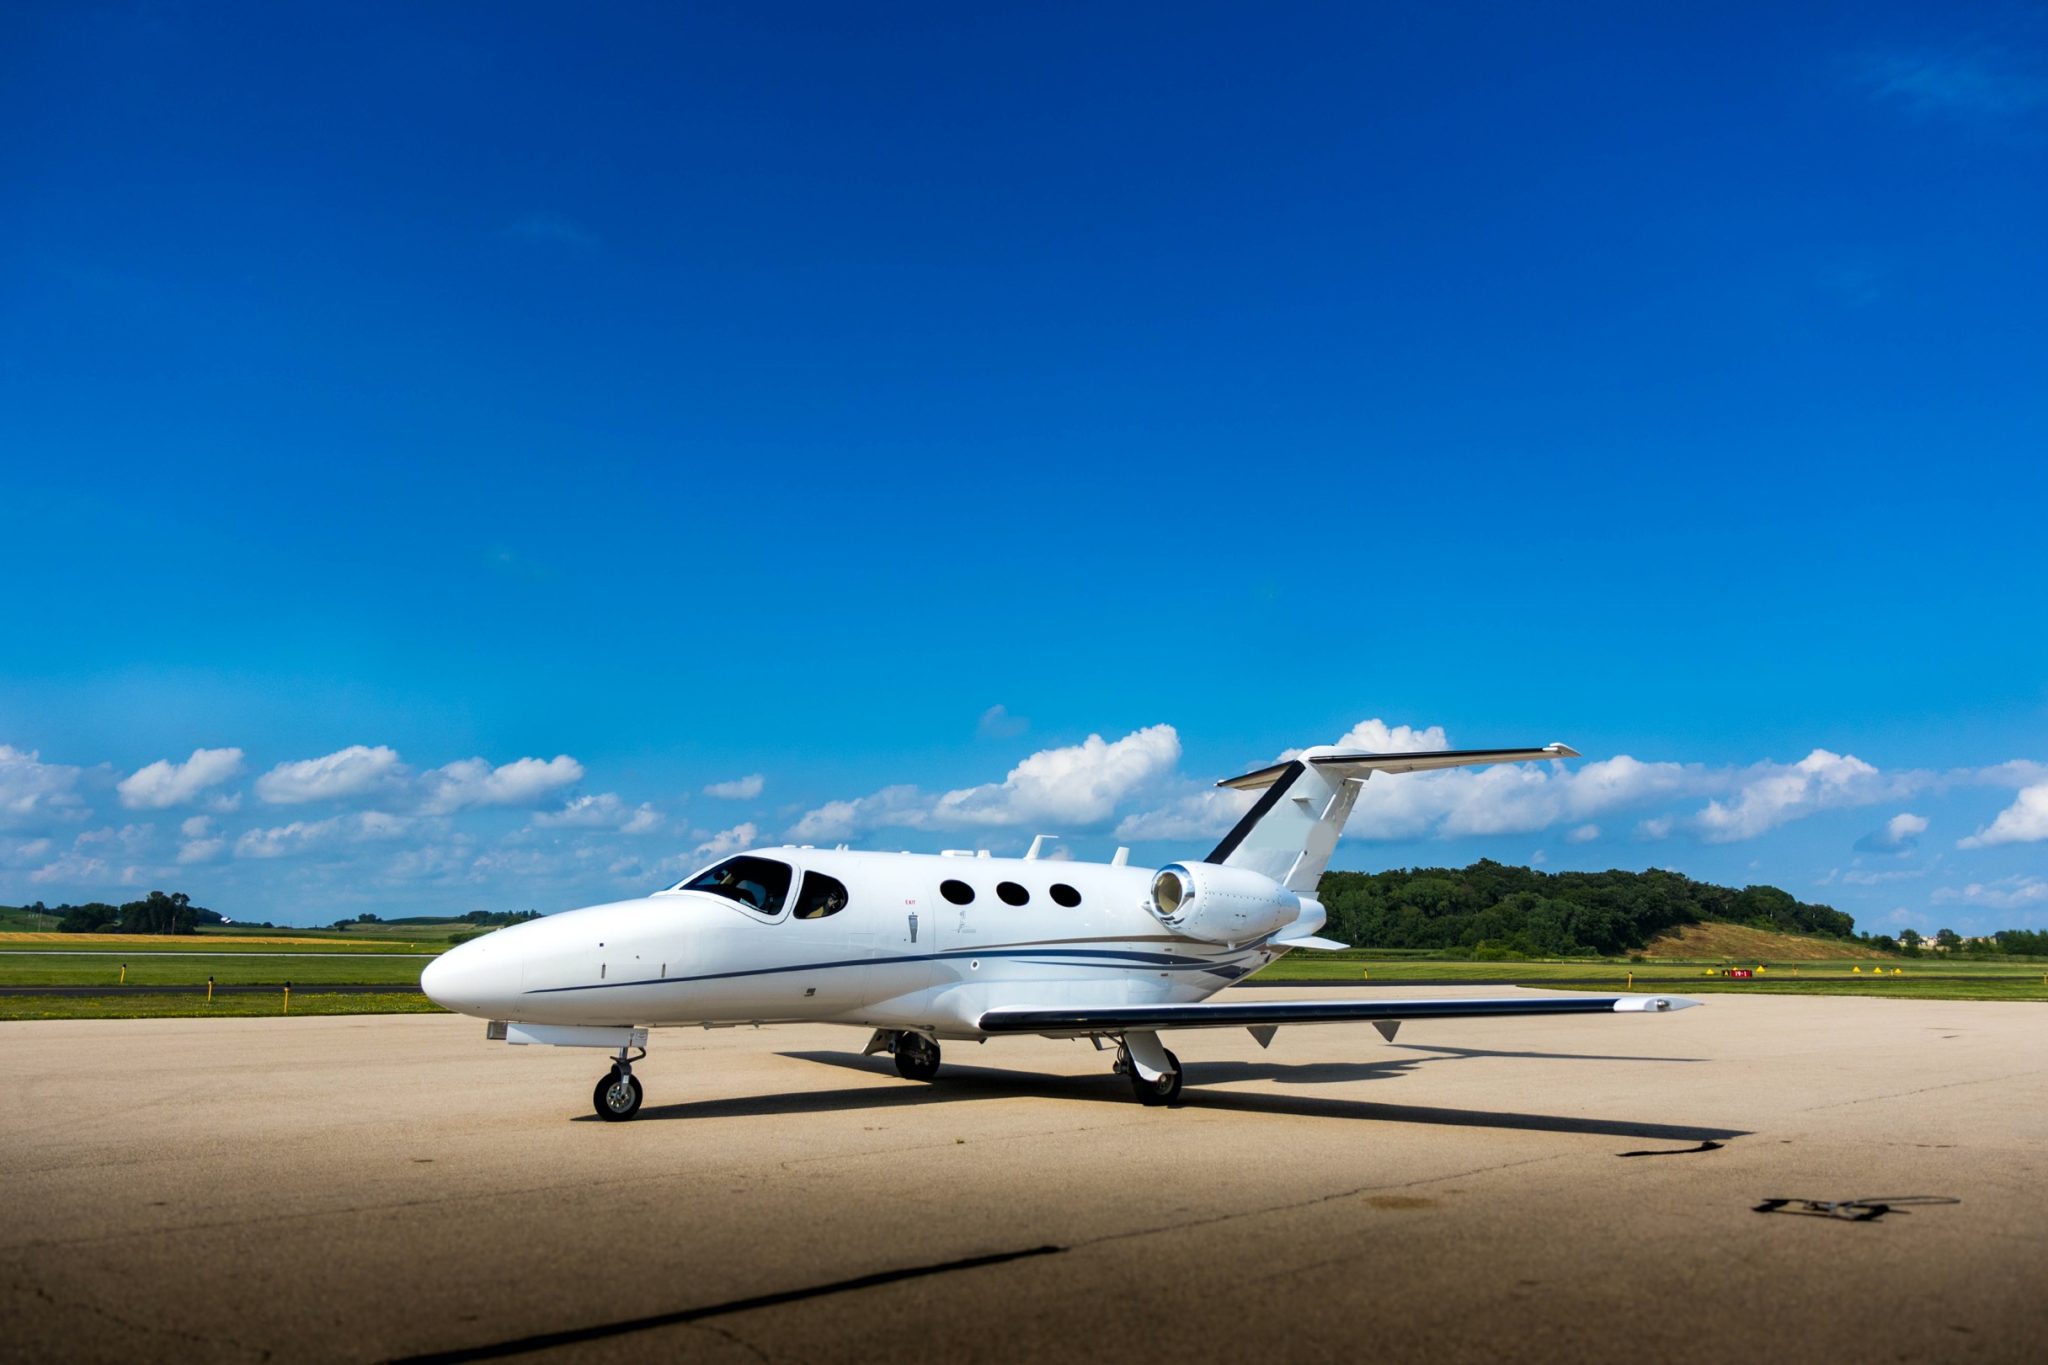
(473, 434)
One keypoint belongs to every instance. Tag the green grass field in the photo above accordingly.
(1923, 978)
(310, 959)
(263, 943)
(429, 937)
(196, 1006)
(260, 957)
(227, 969)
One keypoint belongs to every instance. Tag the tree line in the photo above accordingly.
(490, 918)
(1490, 908)
(157, 913)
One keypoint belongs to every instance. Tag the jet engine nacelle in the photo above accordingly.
(1218, 904)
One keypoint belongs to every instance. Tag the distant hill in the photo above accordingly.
(1490, 908)
(1740, 943)
(15, 919)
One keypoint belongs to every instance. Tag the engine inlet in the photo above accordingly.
(1168, 891)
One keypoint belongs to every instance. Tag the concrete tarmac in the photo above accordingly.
(369, 1188)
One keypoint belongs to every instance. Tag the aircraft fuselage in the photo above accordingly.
(902, 953)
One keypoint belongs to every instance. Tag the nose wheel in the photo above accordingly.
(617, 1097)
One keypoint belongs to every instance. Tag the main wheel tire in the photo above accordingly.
(617, 1097)
(1165, 1090)
(917, 1057)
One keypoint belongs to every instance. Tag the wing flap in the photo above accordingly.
(1122, 1018)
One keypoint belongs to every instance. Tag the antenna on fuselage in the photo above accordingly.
(1037, 843)
(1123, 855)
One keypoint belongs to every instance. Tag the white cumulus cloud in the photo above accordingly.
(1078, 786)
(739, 789)
(74, 867)
(32, 790)
(303, 836)
(2025, 821)
(735, 840)
(474, 782)
(1901, 833)
(1506, 798)
(1772, 794)
(1375, 736)
(2012, 893)
(23, 852)
(164, 783)
(198, 841)
(837, 819)
(602, 811)
(1584, 834)
(353, 771)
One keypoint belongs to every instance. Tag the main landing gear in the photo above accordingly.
(617, 1097)
(916, 1054)
(917, 1057)
(1160, 1088)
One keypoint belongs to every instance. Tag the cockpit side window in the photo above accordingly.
(760, 884)
(821, 896)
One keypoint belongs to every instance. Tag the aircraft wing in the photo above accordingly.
(1109, 1019)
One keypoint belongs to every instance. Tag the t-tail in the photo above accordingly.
(1291, 831)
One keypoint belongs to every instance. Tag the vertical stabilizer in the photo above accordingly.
(1291, 831)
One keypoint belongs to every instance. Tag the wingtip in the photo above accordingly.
(1561, 750)
(1652, 1004)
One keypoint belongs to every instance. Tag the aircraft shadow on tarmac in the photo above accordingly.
(959, 1083)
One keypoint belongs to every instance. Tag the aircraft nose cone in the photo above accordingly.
(468, 980)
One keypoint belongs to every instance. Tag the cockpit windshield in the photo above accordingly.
(760, 884)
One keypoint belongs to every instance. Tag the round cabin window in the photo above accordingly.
(1065, 895)
(960, 893)
(1013, 894)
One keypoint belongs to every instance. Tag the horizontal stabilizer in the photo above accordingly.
(1073, 1023)
(1328, 945)
(1398, 763)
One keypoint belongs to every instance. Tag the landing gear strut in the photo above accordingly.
(617, 1097)
(917, 1057)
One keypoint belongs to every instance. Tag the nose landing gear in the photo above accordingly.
(617, 1097)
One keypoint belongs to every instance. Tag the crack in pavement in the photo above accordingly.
(262, 1353)
(1923, 1090)
(734, 1337)
(1290, 1206)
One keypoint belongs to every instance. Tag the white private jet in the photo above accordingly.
(959, 945)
